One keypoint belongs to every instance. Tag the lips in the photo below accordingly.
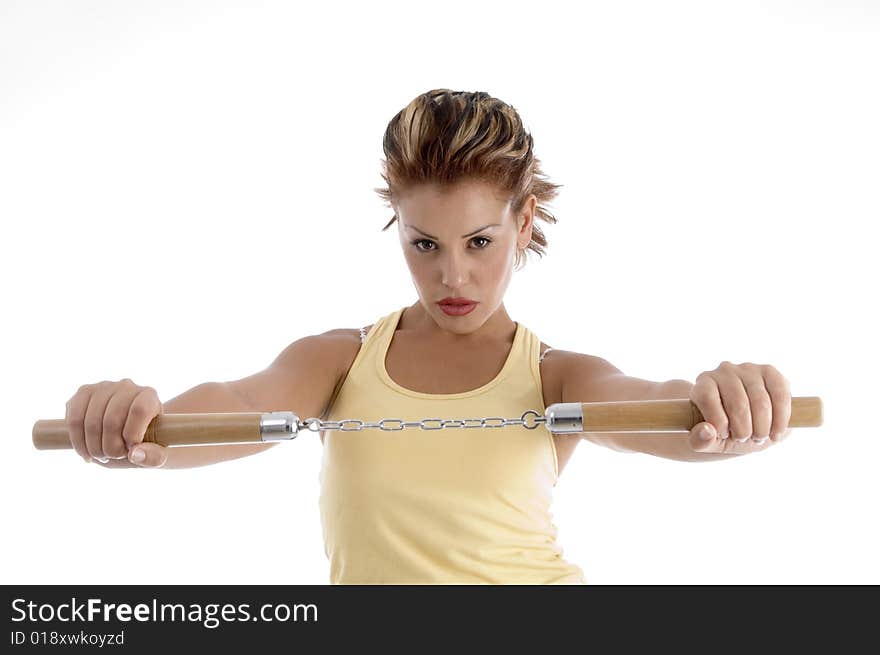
(457, 306)
(456, 301)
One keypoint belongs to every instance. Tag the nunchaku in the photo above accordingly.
(216, 429)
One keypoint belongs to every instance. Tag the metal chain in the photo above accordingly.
(356, 425)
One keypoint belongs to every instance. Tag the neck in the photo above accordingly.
(499, 326)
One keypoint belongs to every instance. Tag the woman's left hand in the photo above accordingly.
(746, 408)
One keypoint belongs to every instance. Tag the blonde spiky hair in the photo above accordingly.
(445, 136)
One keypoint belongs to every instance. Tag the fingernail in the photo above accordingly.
(741, 440)
(705, 432)
(760, 440)
(137, 455)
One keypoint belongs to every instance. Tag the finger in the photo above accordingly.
(94, 420)
(746, 447)
(115, 417)
(780, 396)
(736, 403)
(760, 406)
(714, 444)
(144, 408)
(707, 397)
(74, 415)
(153, 455)
(703, 438)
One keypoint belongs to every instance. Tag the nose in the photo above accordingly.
(454, 271)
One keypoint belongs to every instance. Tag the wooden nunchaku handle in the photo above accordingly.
(169, 430)
(678, 414)
(620, 416)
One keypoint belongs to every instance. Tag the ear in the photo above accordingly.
(525, 221)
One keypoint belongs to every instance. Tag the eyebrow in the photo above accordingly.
(463, 236)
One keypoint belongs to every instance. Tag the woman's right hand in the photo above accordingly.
(108, 420)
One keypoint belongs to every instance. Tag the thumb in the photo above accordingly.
(702, 437)
(148, 455)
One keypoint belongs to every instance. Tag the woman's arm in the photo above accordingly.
(301, 379)
(586, 378)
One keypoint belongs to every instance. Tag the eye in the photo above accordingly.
(426, 249)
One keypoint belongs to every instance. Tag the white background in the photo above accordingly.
(186, 188)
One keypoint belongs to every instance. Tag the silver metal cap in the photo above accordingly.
(564, 418)
(279, 426)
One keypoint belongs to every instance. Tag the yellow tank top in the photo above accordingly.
(449, 506)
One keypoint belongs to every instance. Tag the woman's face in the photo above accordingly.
(460, 242)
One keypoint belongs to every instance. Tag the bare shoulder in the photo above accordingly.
(324, 357)
(345, 343)
(345, 338)
(347, 334)
(303, 377)
(561, 368)
(575, 361)
(560, 360)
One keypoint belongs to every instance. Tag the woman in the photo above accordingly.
(451, 505)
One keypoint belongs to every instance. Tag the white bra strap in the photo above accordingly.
(544, 353)
(363, 335)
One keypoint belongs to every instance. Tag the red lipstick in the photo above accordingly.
(457, 306)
